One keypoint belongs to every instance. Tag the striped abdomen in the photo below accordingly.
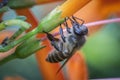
(56, 56)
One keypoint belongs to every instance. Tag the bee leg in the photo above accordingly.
(61, 33)
(75, 28)
(54, 41)
(66, 25)
(72, 21)
(50, 36)
(74, 18)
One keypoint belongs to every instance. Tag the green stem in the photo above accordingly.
(14, 43)
(24, 50)
(24, 25)
(7, 59)
(16, 34)
(17, 21)
(50, 22)
(12, 22)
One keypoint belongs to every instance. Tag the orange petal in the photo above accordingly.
(109, 6)
(72, 6)
(76, 68)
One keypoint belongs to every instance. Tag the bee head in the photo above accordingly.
(80, 30)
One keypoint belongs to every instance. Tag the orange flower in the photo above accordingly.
(92, 12)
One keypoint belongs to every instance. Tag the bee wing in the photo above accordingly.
(72, 53)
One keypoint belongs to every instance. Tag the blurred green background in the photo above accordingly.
(102, 52)
(25, 68)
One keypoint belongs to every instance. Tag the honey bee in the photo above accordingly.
(65, 47)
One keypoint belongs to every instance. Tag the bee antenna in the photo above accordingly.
(78, 19)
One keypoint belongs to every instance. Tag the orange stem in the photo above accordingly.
(76, 67)
(72, 6)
